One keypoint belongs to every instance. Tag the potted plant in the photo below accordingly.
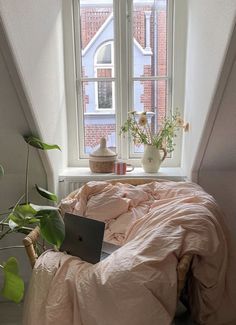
(162, 140)
(23, 217)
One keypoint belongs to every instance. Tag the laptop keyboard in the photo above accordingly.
(104, 255)
(107, 249)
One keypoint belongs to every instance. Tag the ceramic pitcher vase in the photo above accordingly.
(152, 159)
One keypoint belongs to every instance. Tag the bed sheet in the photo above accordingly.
(156, 224)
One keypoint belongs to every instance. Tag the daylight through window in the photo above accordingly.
(123, 63)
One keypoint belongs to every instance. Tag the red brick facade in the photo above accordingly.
(91, 20)
(95, 132)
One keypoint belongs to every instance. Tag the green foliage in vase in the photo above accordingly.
(142, 131)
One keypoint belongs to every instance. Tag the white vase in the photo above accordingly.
(152, 159)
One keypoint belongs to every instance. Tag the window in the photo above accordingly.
(123, 61)
(104, 68)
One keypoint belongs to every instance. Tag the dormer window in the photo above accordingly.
(123, 61)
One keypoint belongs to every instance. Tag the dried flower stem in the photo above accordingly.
(142, 132)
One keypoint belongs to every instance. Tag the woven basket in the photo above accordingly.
(103, 159)
(102, 166)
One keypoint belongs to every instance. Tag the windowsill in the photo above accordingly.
(99, 113)
(84, 174)
(73, 178)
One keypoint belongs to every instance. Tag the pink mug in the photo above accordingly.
(121, 168)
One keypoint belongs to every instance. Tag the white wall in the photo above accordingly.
(217, 170)
(32, 99)
(210, 147)
(34, 31)
(210, 24)
(13, 157)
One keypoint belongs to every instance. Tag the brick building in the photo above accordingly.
(150, 59)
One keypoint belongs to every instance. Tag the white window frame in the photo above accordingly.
(73, 90)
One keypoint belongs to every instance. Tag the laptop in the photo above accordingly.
(84, 238)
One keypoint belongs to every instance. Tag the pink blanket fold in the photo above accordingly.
(156, 224)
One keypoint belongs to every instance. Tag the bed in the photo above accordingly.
(166, 230)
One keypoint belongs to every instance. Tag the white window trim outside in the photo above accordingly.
(104, 66)
(73, 92)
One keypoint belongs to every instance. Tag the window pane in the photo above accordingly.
(105, 95)
(150, 96)
(96, 23)
(104, 54)
(97, 123)
(104, 73)
(150, 41)
(105, 91)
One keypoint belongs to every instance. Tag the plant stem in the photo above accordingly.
(5, 233)
(3, 213)
(139, 131)
(27, 176)
(3, 221)
(18, 201)
(149, 133)
(5, 224)
(9, 247)
(22, 196)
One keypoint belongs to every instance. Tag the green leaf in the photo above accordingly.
(18, 221)
(23, 215)
(48, 195)
(52, 227)
(12, 224)
(25, 210)
(1, 170)
(38, 208)
(13, 287)
(24, 230)
(37, 143)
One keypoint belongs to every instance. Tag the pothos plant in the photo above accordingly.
(22, 218)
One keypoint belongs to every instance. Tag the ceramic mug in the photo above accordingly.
(121, 168)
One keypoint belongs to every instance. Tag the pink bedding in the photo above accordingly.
(156, 224)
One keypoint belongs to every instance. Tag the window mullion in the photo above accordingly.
(170, 53)
(116, 9)
(79, 86)
(122, 68)
(98, 78)
(150, 78)
(130, 68)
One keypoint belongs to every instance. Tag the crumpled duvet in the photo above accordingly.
(156, 224)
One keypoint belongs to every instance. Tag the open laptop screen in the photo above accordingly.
(83, 237)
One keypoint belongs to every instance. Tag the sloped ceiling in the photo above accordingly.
(210, 27)
(13, 150)
(34, 32)
(217, 150)
(31, 101)
(220, 153)
(216, 171)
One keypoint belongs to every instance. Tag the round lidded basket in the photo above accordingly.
(103, 159)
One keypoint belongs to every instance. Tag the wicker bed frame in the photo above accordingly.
(184, 262)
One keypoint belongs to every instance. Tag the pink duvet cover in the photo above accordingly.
(156, 224)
